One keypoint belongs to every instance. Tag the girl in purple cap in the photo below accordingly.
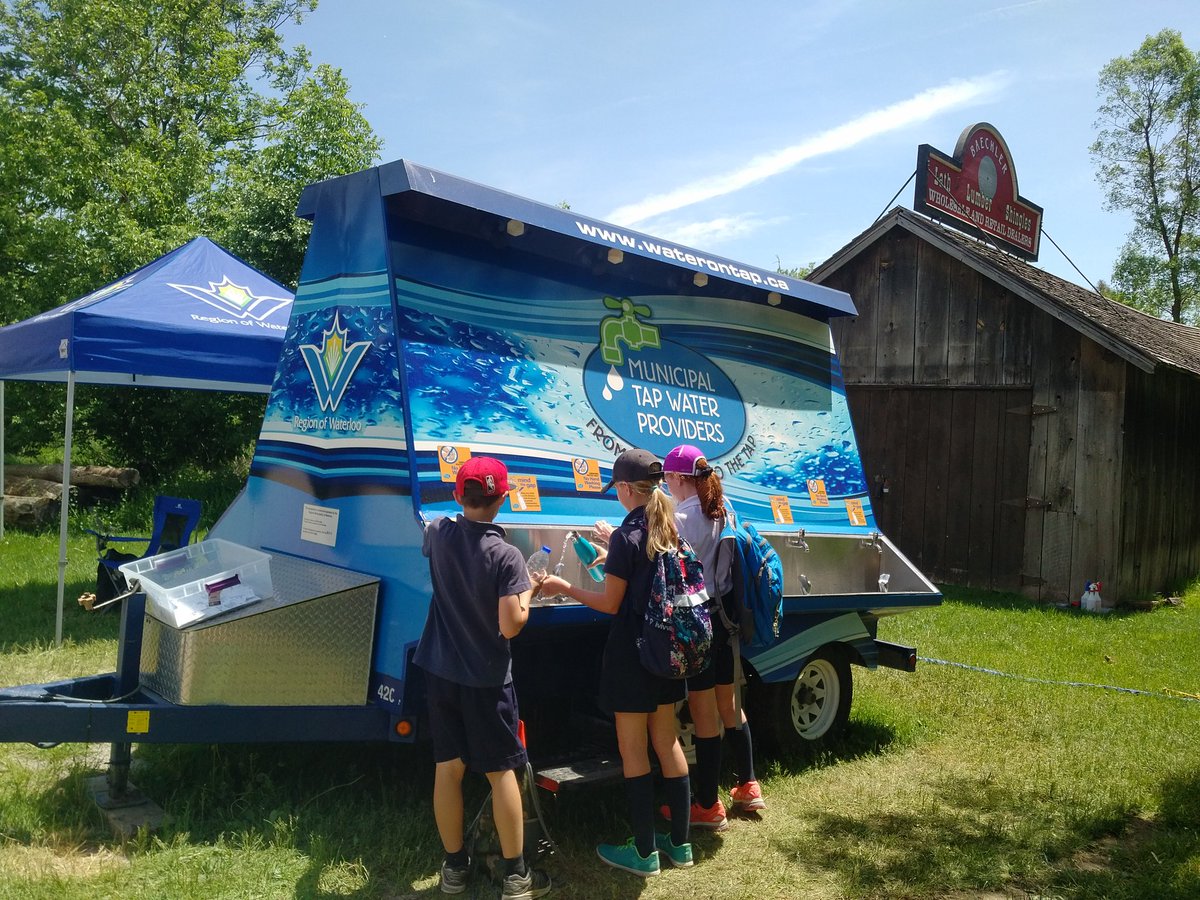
(700, 512)
(641, 703)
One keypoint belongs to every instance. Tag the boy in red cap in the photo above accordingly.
(481, 594)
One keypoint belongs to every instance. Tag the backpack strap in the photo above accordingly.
(726, 562)
(727, 552)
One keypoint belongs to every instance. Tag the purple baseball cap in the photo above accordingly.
(687, 459)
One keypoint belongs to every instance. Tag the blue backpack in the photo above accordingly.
(676, 637)
(757, 609)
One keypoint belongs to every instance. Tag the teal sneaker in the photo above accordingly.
(625, 856)
(680, 857)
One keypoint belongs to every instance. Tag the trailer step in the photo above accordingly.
(594, 770)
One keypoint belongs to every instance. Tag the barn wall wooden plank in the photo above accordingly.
(912, 537)
(937, 479)
(1041, 415)
(896, 302)
(1135, 477)
(1012, 472)
(855, 336)
(958, 506)
(961, 325)
(984, 496)
(1019, 341)
(1188, 491)
(1058, 523)
(1097, 491)
(990, 324)
(874, 410)
(932, 352)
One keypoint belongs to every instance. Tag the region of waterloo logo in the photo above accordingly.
(332, 365)
(234, 299)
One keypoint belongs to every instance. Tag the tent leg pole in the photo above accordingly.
(2, 494)
(62, 517)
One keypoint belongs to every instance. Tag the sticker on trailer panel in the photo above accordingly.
(523, 493)
(451, 459)
(137, 721)
(816, 492)
(587, 475)
(781, 509)
(854, 511)
(319, 524)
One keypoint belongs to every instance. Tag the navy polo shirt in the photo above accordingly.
(472, 567)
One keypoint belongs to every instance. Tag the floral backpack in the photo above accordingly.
(677, 630)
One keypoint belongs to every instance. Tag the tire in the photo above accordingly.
(813, 707)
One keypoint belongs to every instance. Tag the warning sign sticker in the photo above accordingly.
(587, 475)
(781, 509)
(523, 493)
(816, 492)
(451, 459)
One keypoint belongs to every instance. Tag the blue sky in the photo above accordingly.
(769, 131)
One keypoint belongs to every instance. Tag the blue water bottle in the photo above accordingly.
(587, 553)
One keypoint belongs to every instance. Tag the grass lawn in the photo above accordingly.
(1036, 752)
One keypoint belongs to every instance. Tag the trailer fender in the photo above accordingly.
(781, 662)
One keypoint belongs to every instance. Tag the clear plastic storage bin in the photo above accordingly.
(201, 580)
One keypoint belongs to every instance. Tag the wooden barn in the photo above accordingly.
(1018, 432)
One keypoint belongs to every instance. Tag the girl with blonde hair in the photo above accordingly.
(642, 704)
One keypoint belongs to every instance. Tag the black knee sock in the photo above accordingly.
(679, 801)
(743, 752)
(640, 793)
(708, 770)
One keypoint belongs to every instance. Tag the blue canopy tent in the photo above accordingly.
(197, 317)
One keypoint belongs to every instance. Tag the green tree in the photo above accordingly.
(800, 272)
(1148, 156)
(1142, 279)
(128, 127)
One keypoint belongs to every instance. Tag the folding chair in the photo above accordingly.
(174, 520)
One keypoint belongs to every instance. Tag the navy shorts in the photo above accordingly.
(627, 687)
(720, 671)
(475, 724)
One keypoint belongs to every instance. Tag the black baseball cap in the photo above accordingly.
(635, 465)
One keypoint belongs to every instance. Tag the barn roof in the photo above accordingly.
(1143, 340)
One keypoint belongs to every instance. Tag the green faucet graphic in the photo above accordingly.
(627, 328)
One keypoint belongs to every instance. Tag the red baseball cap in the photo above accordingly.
(490, 473)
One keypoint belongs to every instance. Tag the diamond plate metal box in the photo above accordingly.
(309, 645)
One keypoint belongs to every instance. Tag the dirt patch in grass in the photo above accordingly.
(32, 862)
(1138, 833)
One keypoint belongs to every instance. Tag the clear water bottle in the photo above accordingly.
(539, 561)
(587, 553)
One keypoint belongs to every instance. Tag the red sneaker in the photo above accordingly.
(710, 817)
(748, 797)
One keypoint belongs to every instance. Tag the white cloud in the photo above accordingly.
(922, 107)
(714, 231)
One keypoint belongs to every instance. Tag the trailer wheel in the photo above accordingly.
(816, 705)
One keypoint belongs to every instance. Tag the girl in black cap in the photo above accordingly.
(641, 703)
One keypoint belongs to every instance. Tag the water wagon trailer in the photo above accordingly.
(438, 319)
